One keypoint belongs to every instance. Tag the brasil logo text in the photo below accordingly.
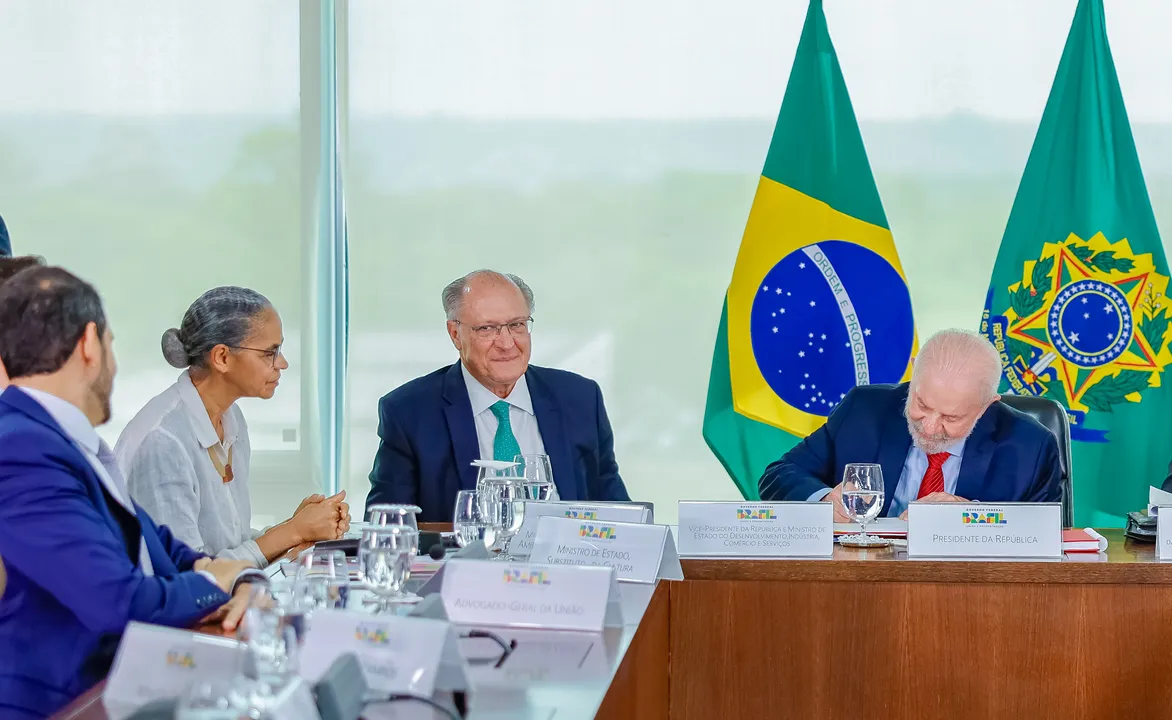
(526, 577)
(371, 635)
(599, 532)
(582, 514)
(746, 513)
(1086, 326)
(983, 518)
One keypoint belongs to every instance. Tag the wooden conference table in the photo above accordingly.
(871, 634)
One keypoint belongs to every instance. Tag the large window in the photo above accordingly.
(153, 149)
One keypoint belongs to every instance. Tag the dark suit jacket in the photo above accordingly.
(1009, 457)
(428, 440)
(72, 555)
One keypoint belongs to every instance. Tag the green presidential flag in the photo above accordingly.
(1077, 302)
(818, 302)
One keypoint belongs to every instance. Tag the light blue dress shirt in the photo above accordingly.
(914, 467)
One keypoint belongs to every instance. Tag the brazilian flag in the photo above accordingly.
(818, 302)
(1077, 302)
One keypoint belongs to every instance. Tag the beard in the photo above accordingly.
(929, 444)
(102, 389)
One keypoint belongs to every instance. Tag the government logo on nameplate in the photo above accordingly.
(556, 597)
(1164, 532)
(756, 529)
(638, 553)
(522, 544)
(984, 530)
(156, 662)
(397, 654)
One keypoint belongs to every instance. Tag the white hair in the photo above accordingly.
(453, 295)
(961, 353)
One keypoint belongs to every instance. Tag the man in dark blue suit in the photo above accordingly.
(491, 405)
(943, 437)
(82, 559)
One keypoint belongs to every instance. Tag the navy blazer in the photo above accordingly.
(428, 440)
(72, 555)
(1008, 457)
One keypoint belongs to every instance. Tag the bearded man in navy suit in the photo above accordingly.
(491, 405)
(943, 437)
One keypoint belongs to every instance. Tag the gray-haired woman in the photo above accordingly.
(186, 453)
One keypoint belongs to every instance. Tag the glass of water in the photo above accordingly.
(504, 500)
(862, 498)
(471, 520)
(385, 555)
(537, 475)
(270, 635)
(383, 514)
(323, 580)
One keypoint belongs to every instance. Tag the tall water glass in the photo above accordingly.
(505, 502)
(385, 514)
(385, 555)
(862, 498)
(470, 520)
(323, 580)
(269, 638)
(537, 474)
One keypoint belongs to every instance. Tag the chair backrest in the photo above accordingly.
(1053, 416)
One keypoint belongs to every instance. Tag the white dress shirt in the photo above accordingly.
(521, 417)
(77, 426)
(164, 453)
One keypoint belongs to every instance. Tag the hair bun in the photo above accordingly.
(173, 351)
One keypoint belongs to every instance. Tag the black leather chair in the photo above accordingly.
(1053, 416)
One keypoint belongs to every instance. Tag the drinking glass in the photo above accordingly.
(537, 474)
(504, 500)
(862, 498)
(494, 470)
(270, 637)
(385, 555)
(471, 521)
(383, 515)
(323, 580)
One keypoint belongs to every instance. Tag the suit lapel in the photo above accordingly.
(461, 426)
(553, 436)
(978, 453)
(893, 451)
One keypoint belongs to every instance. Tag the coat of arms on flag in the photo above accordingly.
(1086, 326)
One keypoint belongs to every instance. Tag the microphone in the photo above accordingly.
(436, 552)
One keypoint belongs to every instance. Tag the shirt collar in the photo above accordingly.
(70, 417)
(956, 449)
(197, 412)
(482, 398)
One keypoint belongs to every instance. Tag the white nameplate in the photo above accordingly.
(638, 553)
(756, 529)
(1164, 532)
(991, 530)
(522, 544)
(155, 662)
(557, 597)
(397, 654)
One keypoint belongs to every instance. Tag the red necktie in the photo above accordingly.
(934, 476)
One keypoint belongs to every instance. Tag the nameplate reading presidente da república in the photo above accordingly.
(984, 530)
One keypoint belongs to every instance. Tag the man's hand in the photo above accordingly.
(226, 571)
(936, 497)
(201, 564)
(320, 520)
(835, 497)
(343, 518)
(230, 613)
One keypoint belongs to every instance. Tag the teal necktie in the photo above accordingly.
(504, 445)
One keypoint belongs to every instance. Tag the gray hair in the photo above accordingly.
(221, 316)
(961, 353)
(453, 295)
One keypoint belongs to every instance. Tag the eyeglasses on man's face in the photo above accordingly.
(517, 328)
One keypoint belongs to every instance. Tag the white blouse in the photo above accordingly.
(164, 454)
